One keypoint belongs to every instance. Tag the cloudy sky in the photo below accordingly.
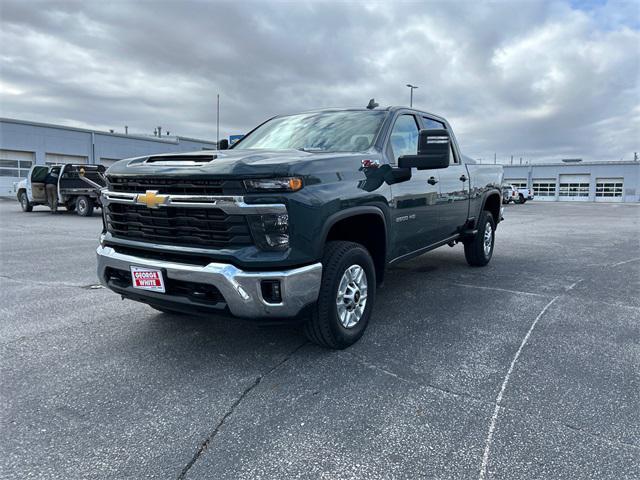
(542, 80)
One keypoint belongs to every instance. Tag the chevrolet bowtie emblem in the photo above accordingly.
(151, 199)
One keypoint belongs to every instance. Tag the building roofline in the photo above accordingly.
(173, 139)
(575, 165)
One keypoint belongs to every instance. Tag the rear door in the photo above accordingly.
(35, 183)
(453, 189)
(413, 212)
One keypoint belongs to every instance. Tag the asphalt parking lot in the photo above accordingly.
(528, 368)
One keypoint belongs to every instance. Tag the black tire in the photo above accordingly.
(84, 206)
(324, 327)
(520, 199)
(25, 204)
(474, 248)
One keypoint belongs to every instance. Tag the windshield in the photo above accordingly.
(347, 131)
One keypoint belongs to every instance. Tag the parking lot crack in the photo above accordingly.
(204, 446)
(517, 292)
(45, 284)
(388, 372)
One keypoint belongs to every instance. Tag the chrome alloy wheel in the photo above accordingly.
(488, 239)
(351, 299)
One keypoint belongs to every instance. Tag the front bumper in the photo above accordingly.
(241, 289)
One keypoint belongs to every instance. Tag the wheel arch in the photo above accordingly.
(366, 225)
(493, 203)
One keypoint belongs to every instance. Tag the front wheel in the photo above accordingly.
(84, 206)
(478, 250)
(346, 298)
(24, 202)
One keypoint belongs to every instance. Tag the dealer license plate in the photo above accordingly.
(147, 279)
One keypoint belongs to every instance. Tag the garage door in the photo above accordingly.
(14, 166)
(517, 182)
(56, 158)
(609, 189)
(574, 188)
(544, 188)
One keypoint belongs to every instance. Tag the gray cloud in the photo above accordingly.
(533, 79)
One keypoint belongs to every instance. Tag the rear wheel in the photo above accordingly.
(84, 206)
(478, 250)
(24, 202)
(346, 298)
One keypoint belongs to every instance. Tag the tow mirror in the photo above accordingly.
(223, 144)
(433, 151)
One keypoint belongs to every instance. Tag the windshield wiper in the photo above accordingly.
(311, 149)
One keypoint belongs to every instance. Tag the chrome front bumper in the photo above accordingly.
(240, 289)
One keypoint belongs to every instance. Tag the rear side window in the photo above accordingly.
(430, 123)
(404, 137)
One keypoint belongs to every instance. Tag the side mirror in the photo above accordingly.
(223, 144)
(433, 151)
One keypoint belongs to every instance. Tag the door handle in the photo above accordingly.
(432, 181)
(463, 178)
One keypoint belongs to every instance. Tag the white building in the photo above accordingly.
(23, 144)
(578, 181)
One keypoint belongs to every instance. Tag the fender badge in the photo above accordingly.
(370, 163)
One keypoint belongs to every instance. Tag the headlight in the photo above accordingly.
(270, 231)
(289, 184)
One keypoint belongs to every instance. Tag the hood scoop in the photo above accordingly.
(181, 160)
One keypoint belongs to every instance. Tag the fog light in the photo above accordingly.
(270, 231)
(271, 291)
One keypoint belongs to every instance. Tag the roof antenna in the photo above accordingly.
(372, 104)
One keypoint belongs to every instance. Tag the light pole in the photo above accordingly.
(412, 87)
(218, 122)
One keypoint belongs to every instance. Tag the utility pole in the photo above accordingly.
(218, 123)
(412, 87)
(511, 159)
(494, 158)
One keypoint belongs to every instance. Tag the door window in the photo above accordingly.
(39, 174)
(404, 137)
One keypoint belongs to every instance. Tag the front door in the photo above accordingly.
(414, 212)
(35, 184)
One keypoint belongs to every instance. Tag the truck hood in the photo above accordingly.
(244, 163)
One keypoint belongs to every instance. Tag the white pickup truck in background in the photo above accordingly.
(516, 195)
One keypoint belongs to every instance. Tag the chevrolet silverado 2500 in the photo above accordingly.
(298, 220)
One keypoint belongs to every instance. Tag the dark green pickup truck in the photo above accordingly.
(298, 220)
